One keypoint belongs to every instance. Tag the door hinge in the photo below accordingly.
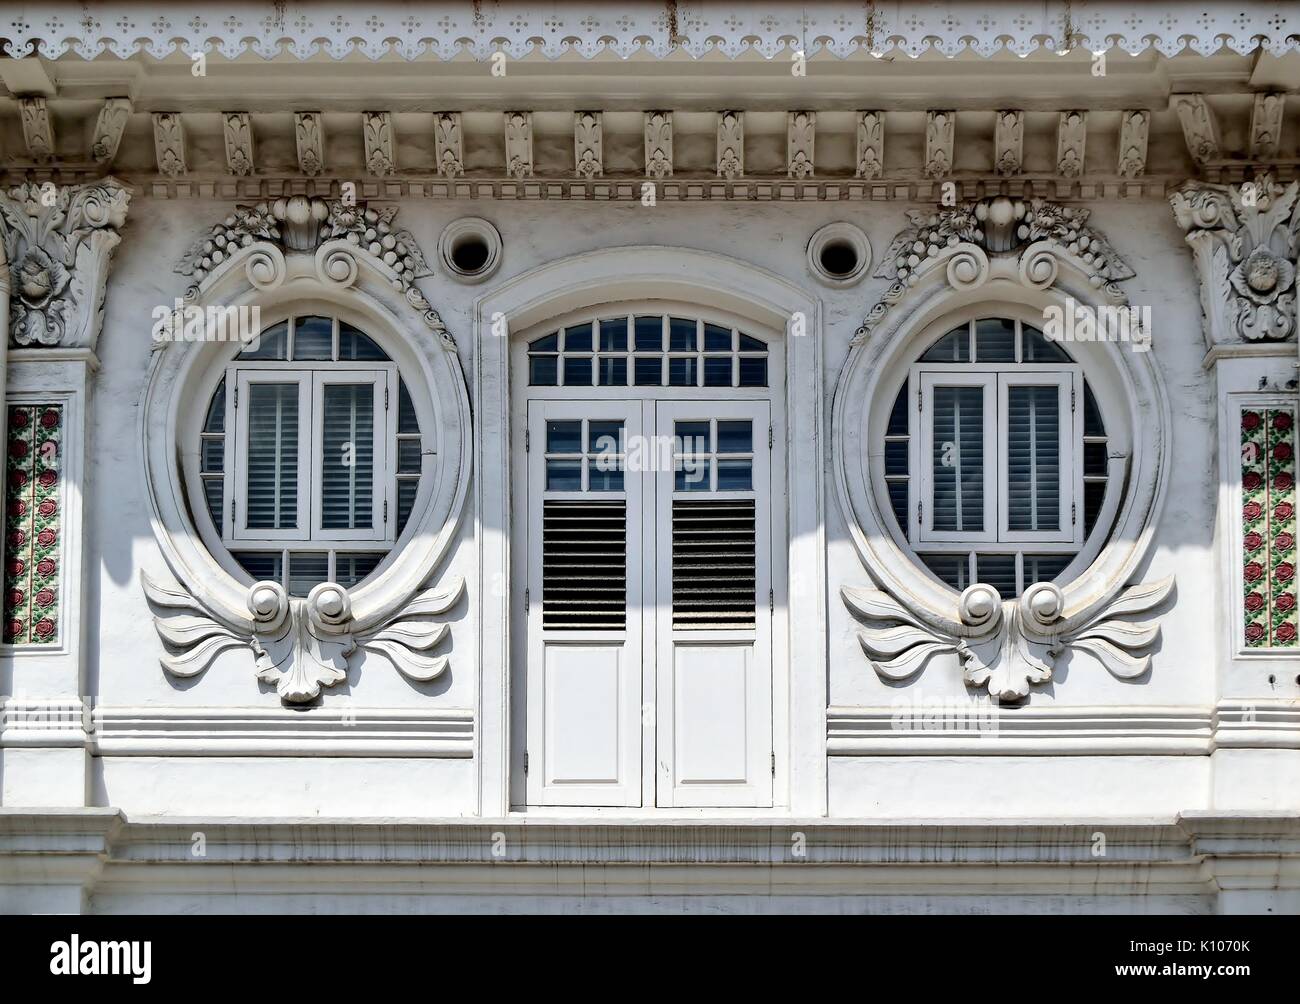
(232, 512)
(525, 601)
(771, 601)
(385, 399)
(1073, 513)
(236, 397)
(774, 764)
(525, 763)
(527, 438)
(769, 436)
(385, 510)
(1072, 399)
(919, 521)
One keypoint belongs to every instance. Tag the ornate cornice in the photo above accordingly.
(59, 241)
(772, 30)
(1244, 240)
(303, 224)
(962, 238)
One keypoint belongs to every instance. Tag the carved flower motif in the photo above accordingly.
(40, 277)
(1263, 276)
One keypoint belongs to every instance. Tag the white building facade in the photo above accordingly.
(650, 457)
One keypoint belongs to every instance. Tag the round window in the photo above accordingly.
(310, 455)
(995, 457)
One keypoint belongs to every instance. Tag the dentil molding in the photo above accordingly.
(59, 241)
(1244, 239)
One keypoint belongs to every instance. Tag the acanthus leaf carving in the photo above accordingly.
(238, 130)
(1135, 127)
(448, 143)
(871, 145)
(300, 646)
(960, 239)
(519, 144)
(1008, 646)
(59, 242)
(37, 129)
(731, 144)
(659, 145)
(588, 150)
(109, 126)
(1243, 239)
(377, 133)
(309, 138)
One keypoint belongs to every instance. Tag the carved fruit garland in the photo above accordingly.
(301, 645)
(1008, 645)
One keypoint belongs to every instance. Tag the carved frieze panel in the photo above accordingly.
(871, 145)
(448, 143)
(238, 130)
(659, 144)
(588, 150)
(731, 144)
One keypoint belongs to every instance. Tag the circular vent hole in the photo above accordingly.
(839, 258)
(469, 253)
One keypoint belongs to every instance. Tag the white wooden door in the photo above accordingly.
(584, 605)
(714, 637)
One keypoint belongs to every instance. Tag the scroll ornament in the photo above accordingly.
(1007, 646)
(301, 645)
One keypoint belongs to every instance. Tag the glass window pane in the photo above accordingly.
(958, 461)
(408, 456)
(407, 488)
(216, 420)
(898, 502)
(649, 333)
(681, 334)
(1044, 567)
(577, 338)
(605, 474)
(547, 343)
(648, 371)
(1033, 458)
(1037, 349)
(577, 371)
(896, 458)
(717, 339)
(954, 347)
(954, 569)
(995, 341)
(605, 436)
(407, 422)
(313, 338)
(717, 371)
(356, 346)
(613, 334)
(213, 456)
(272, 453)
(306, 570)
(260, 564)
(735, 436)
(272, 344)
(682, 372)
(691, 437)
(214, 490)
(999, 571)
(348, 456)
(564, 475)
(753, 371)
(1094, 459)
(748, 344)
(691, 474)
(564, 437)
(349, 569)
(611, 371)
(1094, 493)
(735, 475)
(1092, 423)
(544, 371)
(898, 414)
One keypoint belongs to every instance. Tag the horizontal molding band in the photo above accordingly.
(967, 728)
(167, 731)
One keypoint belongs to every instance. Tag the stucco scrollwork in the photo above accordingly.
(1001, 256)
(302, 223)
(350, 260)
(1245, 239)
(59, 240)
(960, 239)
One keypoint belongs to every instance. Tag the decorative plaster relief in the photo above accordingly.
(1200, 128)
(940, 129)
(801, 133)
(1071, 137)
(448, 142)
(299, 223)
(1268, 528)
(519, 144)
(309, 135)
(109, 127)
(1245, 239)
(659, 144)
(1266, 125)
(59, 240)
(731, 144)
(238, 130)
(1134, 128)
(587, 145)
(871, 145)
(33, 524)
(960, 239)
(169, 143)
(37, 130)
(377, 132)
(1008, 142)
